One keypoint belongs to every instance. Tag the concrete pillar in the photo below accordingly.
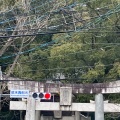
(37, 115)
(30, 112)
(99, 107)
(0, 87)
(77, 115)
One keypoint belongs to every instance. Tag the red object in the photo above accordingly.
(47, 95)
(44, 96)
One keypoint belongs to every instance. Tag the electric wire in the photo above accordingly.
(13, 18)
(102, 17)
(66, 68)
(43, 45)
(40, 58)
(32, 49)
(22, 25)
(59, 79)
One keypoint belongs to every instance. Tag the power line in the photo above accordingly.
(61, 68)
(33, 49)
(22, 25)
(58, 44)
(55, 27)
(83, 32)
(20, 5)
(71, 53)
(42, 45)
(96, 21)
(101, 15)
(27, 14)
(81, 51)
(49, 33)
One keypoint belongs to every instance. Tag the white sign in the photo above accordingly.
(19, 93)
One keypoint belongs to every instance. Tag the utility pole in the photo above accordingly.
(0, 87)
(99, 107)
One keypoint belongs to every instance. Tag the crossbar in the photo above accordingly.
(54, 106)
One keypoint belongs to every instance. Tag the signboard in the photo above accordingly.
(19, 93)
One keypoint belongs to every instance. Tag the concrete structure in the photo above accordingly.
(30, 109)
(52, 106)
(0, 87)
(33, 86)
(99, 107)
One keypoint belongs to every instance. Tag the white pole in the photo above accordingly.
(0, 87)
(30, 112)
(99, 107)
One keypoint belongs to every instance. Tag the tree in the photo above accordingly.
(90, 53)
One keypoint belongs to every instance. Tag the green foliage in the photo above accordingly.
(91, 56)
(84, 98)
(115, 71)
